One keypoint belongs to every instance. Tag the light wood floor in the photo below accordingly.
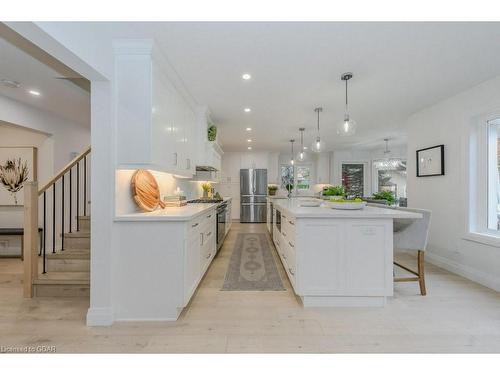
(457, 315)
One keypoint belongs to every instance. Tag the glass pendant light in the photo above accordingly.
(292, 160)
(302, 156)
(318, 145)
(348, 126)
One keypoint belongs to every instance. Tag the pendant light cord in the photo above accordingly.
(318, 120)
(346, 104)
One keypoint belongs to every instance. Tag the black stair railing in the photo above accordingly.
(58, 185)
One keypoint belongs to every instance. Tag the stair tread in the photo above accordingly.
(59, 277)
(70, 254)
(78, 234)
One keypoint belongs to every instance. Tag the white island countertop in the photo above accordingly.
(184, 213)
(292, 207)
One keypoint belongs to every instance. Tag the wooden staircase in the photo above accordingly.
(62, 254)
(68, 271)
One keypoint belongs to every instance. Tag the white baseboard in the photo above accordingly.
(463, 270)
(100, 316)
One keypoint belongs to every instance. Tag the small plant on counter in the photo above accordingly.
(212, 133)
(334, 191)
(385, 195)
(271, 189)
(207, 187)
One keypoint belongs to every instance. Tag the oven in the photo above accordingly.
(221, 223)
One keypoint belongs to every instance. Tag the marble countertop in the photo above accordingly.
(292, 207)
(184, 213)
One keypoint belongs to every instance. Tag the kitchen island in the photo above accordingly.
(337, 257)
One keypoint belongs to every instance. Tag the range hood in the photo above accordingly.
(205, 168)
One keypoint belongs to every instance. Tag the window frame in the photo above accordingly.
(375, 174)
(477, 182)
(366, 174)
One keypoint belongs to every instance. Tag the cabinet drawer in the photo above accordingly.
(194, 228)
(288, 226)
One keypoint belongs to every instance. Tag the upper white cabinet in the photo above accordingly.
(323, 168)
(156, 125)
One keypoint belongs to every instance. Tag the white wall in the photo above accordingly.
(67, 137)
(55, 138)
(449, 122)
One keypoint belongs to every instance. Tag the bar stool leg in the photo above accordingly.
(421, 274)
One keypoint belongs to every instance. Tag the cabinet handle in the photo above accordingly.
(291, 244)
(209, 255)
(209, 216)
(283, 233)
(175, 158)
(201, 239)
(188, 163)
(291, 272)
(291, 222)
(283, 255)
(209, 234)
(194, 225)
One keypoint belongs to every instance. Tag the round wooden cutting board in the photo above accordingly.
(146, 191)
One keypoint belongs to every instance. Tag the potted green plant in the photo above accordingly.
(333, 192)
(271, 189)
(385, 195)
(212, 133)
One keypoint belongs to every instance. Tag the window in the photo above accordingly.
(286, 176)
(301, 174)
(493, 174)
(353, 176)
(390, 175)
(303, 177)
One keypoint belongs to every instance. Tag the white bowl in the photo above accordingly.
(347, 205)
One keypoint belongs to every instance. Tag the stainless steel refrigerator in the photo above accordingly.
(253, 193)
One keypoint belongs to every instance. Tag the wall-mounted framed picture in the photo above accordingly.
(17, 166)
(430, 161)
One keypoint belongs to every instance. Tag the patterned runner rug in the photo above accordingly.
(252, 265)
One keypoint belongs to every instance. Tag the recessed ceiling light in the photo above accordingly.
(247, 110)
(34, 92)
(249, 140)
(249, 129)
(305, 147)
(249, 147)
(246, 76)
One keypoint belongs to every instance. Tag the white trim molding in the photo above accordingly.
(100, 316)
(466, 271)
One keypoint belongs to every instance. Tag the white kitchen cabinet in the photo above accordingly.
(156, 125)
(255, 160)
(323, 168)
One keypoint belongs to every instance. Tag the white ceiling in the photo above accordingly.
(399, 68)
(58, 96)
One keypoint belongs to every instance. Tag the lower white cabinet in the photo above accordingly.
(336, 262)
(199, 252)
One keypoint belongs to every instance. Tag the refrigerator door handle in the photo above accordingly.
(254, 180)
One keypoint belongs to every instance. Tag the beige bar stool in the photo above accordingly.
(412, 235)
